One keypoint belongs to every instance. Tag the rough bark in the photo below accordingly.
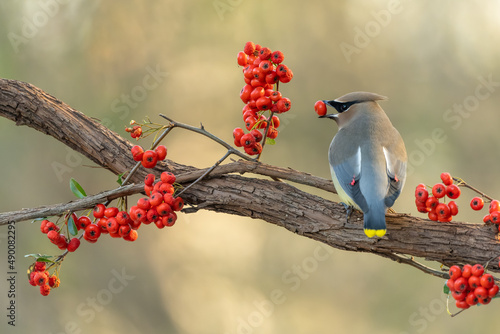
(275, 202)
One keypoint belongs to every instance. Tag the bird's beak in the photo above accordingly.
(331, 116)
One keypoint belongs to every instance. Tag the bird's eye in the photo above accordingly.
(344, 107)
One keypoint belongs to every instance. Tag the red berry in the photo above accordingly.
(471, 298)
(124, 230)
(40, 266)
(481, 292)
(41, 278)
(132, 236)
(477, 203)
(467, 271)
(256, 149)
(461, 284)
(144, 203)
(266, 66)
(450, 284)
(111, 212)
(168, 177)
(242, 58)
(439, 190)
(284, 105)
(453, 191)
(170, 219)
(156, 199)
(149, 179)
(446, 178)
(275, 96)
(494, 206)
(272, 133)
(492, 292)
(99, 210)
(73, 244)
(487, 281)
(54, 281)
(45, 290)
(474, 282)
(272, 78)
(485, 301)
(249, 48)
(83, 222)
(263, 103)
(245, 93)
(277, 57)
(421, 194)
(477, 270)
(163, 209)
(265, 53)
(495, 217)
(462, 304)
(443, 211)
(320, 108)
(112, 225)
(453, 208)
(123, 218)
(433, 215)
(237, 134)
(161, 152)
(455, 272)
(92, 232)
(247, 140)
(257, 135)
(149, 159)
(137, 153)
(459, 295)
(421, 185)
(53, 236)
(487, 219)
(178, 204)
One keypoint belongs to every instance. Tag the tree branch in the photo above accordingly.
(275, 202)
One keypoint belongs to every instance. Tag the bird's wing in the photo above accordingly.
(348, 174)
(396, 172)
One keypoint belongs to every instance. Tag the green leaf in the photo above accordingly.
(72, 226)
(38, 219)
(446, 289)
(120, 181)
(40, 257)
(76, 188)
(270, 141)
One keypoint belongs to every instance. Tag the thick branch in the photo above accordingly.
(273, 201)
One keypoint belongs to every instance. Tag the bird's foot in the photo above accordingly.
(349, 210)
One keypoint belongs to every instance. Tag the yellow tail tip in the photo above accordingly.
(371, 233)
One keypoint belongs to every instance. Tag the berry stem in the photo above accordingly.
(208, 171)
(265, 134)
(461, 182)
(201, 130)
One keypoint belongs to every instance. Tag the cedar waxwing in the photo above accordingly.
(367, 158)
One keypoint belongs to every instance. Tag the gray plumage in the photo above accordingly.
(367, 158)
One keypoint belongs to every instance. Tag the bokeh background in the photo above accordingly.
(213, 273)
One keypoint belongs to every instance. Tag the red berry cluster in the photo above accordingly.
(39, 276)
(149, 158)
(61, 240)
(160, 205)
(135, 131)
(320, 108)
(263, 71)
(429, 202)
(470, 285)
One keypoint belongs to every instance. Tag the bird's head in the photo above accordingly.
(351, 105)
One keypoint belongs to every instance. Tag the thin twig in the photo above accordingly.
(265, 134)
(411, 261)
(465, 184)
(204, 132)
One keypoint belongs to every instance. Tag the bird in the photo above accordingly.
(367, 158)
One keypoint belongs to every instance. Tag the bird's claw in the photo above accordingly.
(348, 209)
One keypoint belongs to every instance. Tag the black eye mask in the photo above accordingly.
(341, 106)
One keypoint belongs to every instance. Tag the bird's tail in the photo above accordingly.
(374, 221)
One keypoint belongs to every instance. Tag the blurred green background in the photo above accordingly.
(213, 273)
